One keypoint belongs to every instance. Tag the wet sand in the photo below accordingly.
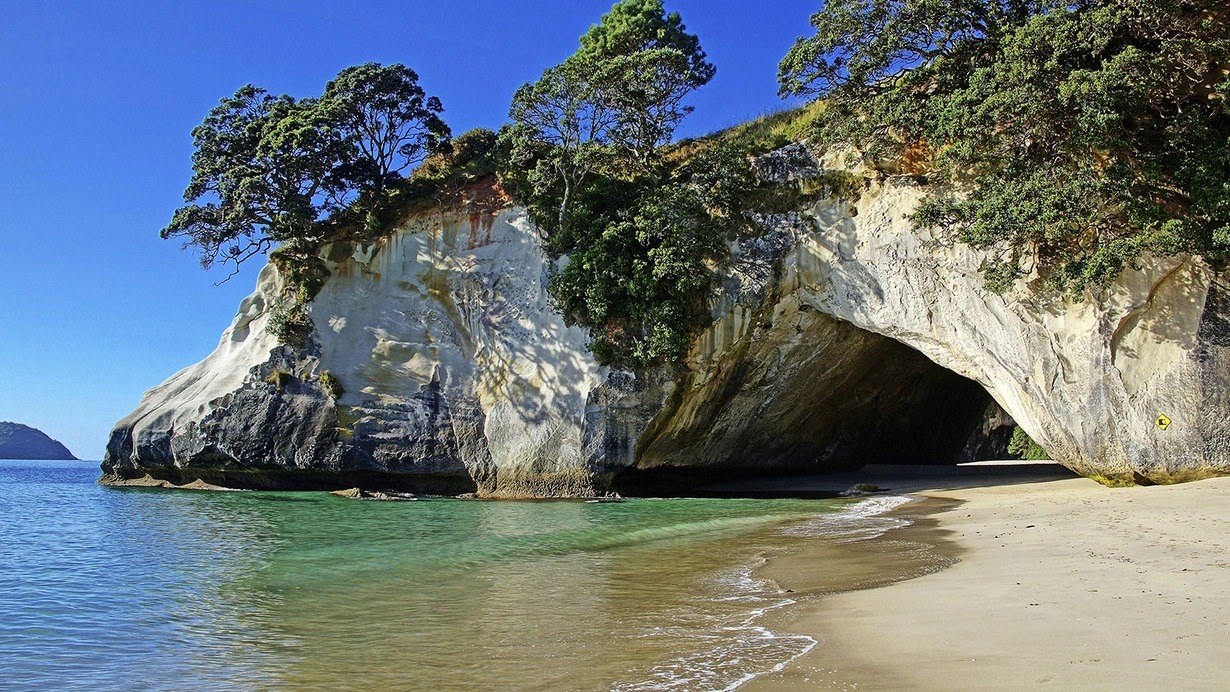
(1058, 582)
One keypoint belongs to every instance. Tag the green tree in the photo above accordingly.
(1077, 135)
(386, 118)
(262, 173)
(1022, 446)
(640, 242)
(638, 274)
(561, 129)
(270, 170)
(645, 63)
(611, 105)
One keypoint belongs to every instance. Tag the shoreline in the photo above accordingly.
(1054, 579)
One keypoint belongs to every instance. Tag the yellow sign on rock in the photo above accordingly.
(1162, 422)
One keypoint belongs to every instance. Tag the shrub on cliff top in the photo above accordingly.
(1080, 134)
(271, 169)
(585, 155)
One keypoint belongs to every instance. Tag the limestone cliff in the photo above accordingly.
(1130, 385)
(457, 376)
(840, 336)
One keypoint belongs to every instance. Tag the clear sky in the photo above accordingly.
(97, 99)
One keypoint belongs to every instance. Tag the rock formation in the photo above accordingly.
(1130, 385)
(457, 375)
(19, 441)
(840, 336)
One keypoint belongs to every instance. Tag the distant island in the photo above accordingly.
(19, 441)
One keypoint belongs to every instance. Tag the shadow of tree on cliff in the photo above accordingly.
(1171, 312)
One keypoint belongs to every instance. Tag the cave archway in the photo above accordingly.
(811, 393)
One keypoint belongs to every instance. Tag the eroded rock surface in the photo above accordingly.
(457, 376)
(841, 336)
(1088, 380)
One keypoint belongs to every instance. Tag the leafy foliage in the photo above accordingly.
(608, 108)
(302, 269)
(644, 63)
(1076, 135)
(637, 274)
(332, 385)
(262, 169)
(561, 133)
(387, 120)
(272, 169)
(584, 153)
(290, 323)
(1022, 446)
(471, 155)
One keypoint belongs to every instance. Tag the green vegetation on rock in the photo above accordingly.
(1072, 136)
(1022, 446)
(290, 323)
(279, 378)
(639, 239)
(272, 170)
(332, 385)
(639, 225)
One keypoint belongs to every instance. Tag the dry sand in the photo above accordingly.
(1061, 583)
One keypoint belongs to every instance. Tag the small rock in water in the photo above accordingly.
(863, 489)
(361, 494)
(609, 497)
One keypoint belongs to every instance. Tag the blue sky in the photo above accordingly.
(97, 99)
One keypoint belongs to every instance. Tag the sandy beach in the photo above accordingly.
(1058, 582)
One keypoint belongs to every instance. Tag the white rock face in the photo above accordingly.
(459, 375)
(443, 305)
(1088, 380)
(200, 390)
(454, 366)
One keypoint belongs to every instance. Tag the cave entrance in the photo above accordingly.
(815, 394)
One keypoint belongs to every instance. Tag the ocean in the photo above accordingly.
(148, 589)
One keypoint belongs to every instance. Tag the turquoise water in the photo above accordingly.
(130, 589)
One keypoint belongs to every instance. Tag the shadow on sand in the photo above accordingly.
(894, 478)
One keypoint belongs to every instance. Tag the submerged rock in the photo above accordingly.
(841, 336)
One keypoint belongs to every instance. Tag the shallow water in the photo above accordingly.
(130, 588)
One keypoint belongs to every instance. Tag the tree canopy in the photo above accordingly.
(262, 173)
(1074, 135)
(272, 169)
(561, 129)
(644, 62)
(616, 100)
(386, 118)
(588, 135)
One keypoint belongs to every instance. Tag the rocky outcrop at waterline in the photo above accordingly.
(841, 336)
(19, 441)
